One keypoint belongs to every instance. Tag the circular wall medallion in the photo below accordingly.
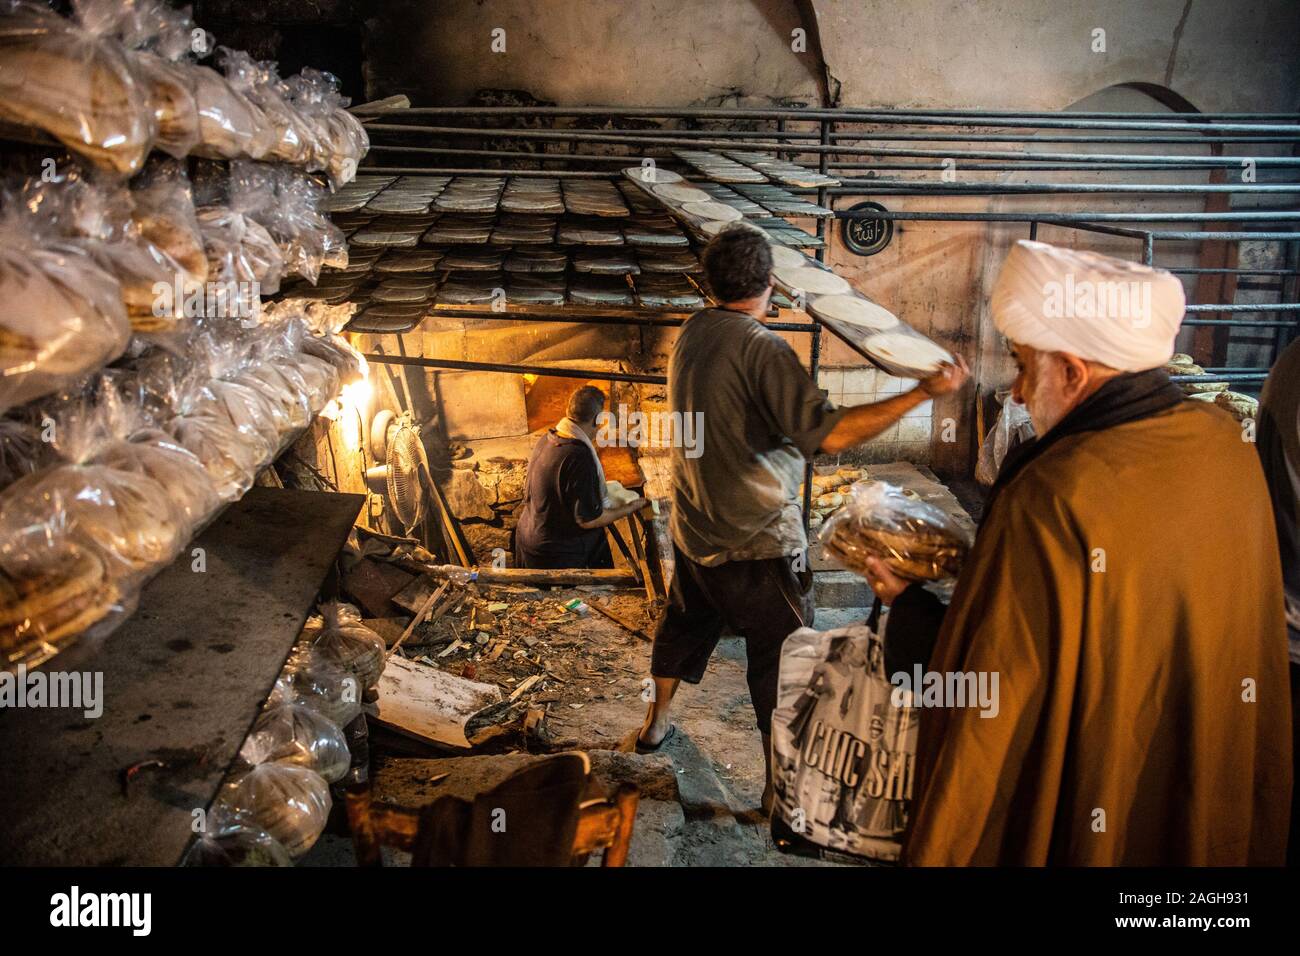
(866, 237)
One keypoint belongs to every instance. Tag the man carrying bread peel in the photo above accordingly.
(735, 518)
(1143, 693)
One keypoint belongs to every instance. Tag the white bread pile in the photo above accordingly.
(120, 79)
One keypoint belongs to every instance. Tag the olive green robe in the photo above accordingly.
(1126, 588)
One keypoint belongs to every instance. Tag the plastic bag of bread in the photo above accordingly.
(232, 452)
(319, 317)
(917, 540)
(158, 38)
(278, 352)
(314, 679)
(284, 388)
(317, 242)
(230, 460)
(321, 379)
(230, 125)
(338, 635)
(123, 517)
(342, 142)
(236, 844)
(62, 319)
(98, 215)
(293, 138)
(242, 255)
(51, 589)
(290, 803)
(155, 454)
(148, 278)
(256, 416)
(300, 736)
(108, 491)
(287, 203)
(163, 211)
(340, 353)
(73, 80)
(21, 450)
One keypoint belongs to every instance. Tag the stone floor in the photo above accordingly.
(700, 794)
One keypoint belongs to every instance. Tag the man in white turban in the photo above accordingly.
(1125, 587)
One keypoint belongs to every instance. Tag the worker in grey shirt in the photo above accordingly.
(738, 537)
(1277, 440)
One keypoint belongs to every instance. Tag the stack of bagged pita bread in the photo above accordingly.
(63, 314)
(142, 457)
(117, 80)
(73, 81)
(47, 598)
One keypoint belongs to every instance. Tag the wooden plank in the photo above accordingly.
(634, 527)
(560, 577)
(420, 615)
(631, 560)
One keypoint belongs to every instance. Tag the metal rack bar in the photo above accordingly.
(519, 369)
(1144, 121)
(896, 187)
(1058, 218)
(1246, 307)
(587, 319)
(1261, 323)
(682, 139)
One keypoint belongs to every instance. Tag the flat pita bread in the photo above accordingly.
(680, 192)
(651, 174)
(907, 351)
(717, 211)
(854, 310)
(783, 257)
(812, 280)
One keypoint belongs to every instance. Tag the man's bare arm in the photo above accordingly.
(610, 515)
(862, 423)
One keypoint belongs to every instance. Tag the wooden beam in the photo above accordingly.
(559, 577)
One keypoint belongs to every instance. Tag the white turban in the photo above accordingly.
(1106, 310)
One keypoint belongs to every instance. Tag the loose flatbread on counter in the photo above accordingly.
(854, 310)
(910, 352)
(812, 280)
(651, 174)
(680, 192)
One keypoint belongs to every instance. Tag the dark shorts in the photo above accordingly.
(763, 601)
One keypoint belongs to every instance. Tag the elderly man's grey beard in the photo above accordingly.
(1048, 405)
